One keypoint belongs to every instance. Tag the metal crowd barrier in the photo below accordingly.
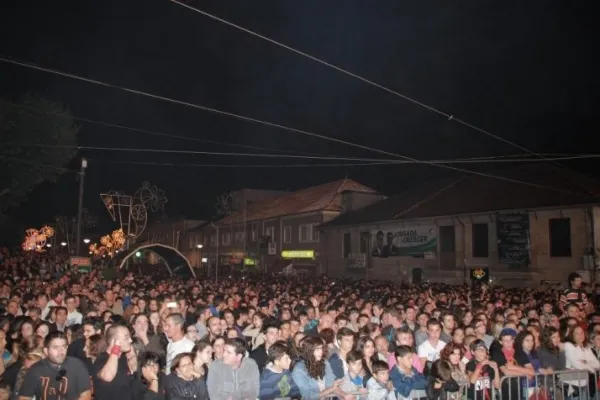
(560, 385)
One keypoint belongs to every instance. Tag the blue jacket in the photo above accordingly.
(309, 389)
(337, 366)
(274, 385)
(405, 384)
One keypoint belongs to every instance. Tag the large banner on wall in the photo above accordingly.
(417, 241)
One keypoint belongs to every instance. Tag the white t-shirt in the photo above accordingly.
(73, 318)
(426, 350)
(184, 345)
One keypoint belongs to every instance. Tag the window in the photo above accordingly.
(240, 237)
(226, 239)
(270, 232)
(347, 245)
(213, 240)
(287, 234)
(480, 241)
(364, 242)
(447, 243)
(560, 237)
(308, 233)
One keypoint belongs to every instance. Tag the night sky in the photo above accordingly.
(522, 70)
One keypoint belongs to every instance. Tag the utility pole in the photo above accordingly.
(81, 176)
(217, 256)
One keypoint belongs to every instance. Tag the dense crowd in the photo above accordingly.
(69, 336)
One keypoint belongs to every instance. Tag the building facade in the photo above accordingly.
(468, 229)
(271, 234)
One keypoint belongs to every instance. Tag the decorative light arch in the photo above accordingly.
(152, 246)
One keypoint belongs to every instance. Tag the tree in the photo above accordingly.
(32, 120)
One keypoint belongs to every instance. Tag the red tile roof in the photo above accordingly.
(325, 197)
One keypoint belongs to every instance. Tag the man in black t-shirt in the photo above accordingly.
(57, 377)
(112, 374)
(482, 372)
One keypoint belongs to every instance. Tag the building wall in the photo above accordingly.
(543, 266)
(273, 260)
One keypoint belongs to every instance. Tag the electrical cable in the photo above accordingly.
(552, 156)
(380, 161)
(450, 117)
(142, 130)
(271, 124)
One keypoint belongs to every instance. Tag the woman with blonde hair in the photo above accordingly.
(29, 359)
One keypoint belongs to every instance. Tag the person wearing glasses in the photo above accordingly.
(58, 376)
(184, 382)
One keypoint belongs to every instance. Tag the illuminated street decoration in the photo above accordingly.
(110, 244)
(35, 240)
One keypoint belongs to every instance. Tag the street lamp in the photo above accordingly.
(63, 244)
(86, 240)
(204, 259)
(200, 246)
(48, 245)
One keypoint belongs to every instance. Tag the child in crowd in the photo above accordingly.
(404, 376)
(379, 387)
(352, 382)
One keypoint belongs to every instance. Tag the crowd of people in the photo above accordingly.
(65, 335)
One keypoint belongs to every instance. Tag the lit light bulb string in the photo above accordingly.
(273, 125)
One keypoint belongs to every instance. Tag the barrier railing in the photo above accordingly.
(559, 385)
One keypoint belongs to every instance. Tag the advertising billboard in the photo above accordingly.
(418, 241)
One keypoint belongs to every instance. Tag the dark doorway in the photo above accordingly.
(417, 276)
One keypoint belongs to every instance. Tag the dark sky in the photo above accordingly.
(523, 70)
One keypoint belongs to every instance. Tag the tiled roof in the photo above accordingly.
(476, 194)
(325, 197)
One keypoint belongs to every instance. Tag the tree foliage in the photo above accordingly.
(32, 120)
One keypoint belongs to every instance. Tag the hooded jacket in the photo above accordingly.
(224, 382)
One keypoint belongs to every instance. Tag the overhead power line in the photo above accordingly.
(506, 158)
(450, 117)
(372, 161)
(266, 123)
(142, 130)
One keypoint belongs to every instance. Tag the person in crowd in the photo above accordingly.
(185, 383)
(253, 331)
(482, 373)
(150, 381)
(235, 376)
(57, 374)
(313, 373)
(345, 340)
(259, 355)
(405, 337)
(112, 371)
(429, 350)
(73, 316)
(480, 328)
(178, 343)
(203, 356)
(379, 386)
(353, 382)
(405, 378)
(453, 354)
(276, 380)
(441, 385)
(30, 359)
